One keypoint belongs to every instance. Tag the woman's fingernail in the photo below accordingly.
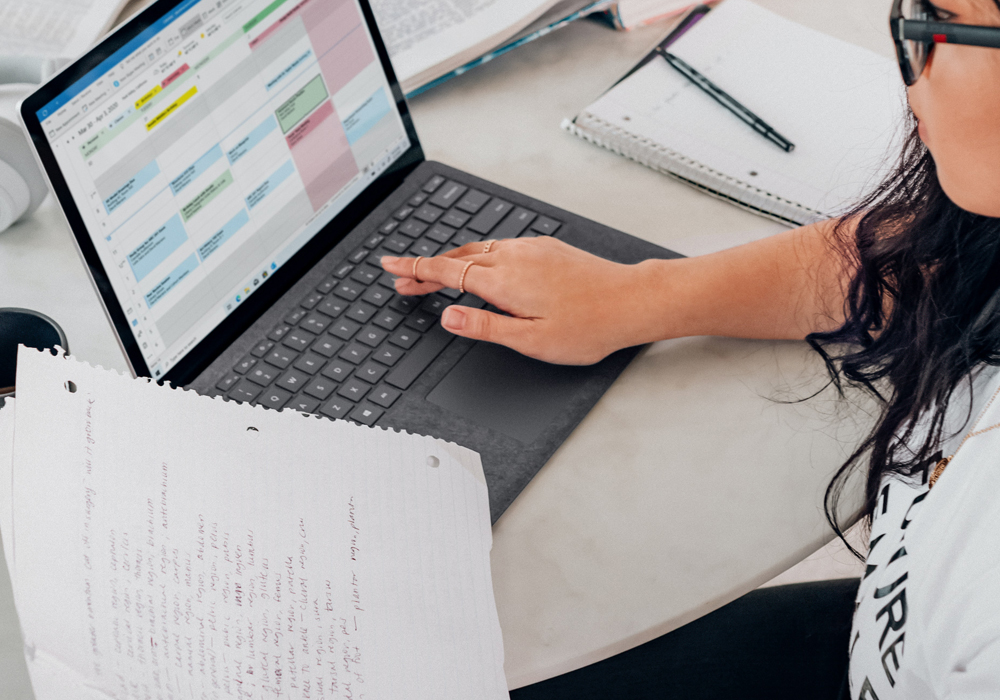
(388, 260)
(453, 319)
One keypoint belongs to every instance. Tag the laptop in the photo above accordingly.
(232, 172)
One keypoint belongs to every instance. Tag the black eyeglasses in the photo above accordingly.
(915, 29)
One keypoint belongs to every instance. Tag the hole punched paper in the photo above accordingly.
(166, 545)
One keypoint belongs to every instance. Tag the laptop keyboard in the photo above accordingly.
(352, 346)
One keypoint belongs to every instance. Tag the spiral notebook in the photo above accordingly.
(841, 105)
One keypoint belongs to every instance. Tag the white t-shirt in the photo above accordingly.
(927, 620)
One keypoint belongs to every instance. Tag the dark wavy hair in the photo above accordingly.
(922, 318)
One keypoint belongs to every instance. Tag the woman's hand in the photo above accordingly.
(566, 306)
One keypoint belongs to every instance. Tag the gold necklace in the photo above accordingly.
(940, 467)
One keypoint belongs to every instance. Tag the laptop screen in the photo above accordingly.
(211, 147)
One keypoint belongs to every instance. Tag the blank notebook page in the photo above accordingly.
(841, 105)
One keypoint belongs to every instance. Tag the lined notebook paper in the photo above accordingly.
(841, 105)
(166, 545)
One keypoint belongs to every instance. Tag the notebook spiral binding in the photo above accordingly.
(664, 160)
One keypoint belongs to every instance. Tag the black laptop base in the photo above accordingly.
(513, 410)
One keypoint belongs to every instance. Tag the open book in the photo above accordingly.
(166, 545)
(431, 40)
(842, 106)
(54, 28)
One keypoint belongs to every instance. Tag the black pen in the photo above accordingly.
(724, 99)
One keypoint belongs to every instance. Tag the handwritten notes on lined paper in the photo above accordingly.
(165, 545)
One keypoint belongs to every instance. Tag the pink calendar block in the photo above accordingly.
(322, 155)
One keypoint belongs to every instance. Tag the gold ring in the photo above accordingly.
(416, 261)
(461, 280)
(489, 244)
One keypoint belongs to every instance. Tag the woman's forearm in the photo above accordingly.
(781, 287)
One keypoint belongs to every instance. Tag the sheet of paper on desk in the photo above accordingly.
(166, 545)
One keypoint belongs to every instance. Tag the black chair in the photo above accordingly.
(24, 327)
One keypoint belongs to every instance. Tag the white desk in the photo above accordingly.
(686, 486)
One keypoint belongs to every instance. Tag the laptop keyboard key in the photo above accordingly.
(298, 339)
(311, 300)
(452, 294)
(440, 233)
(305, 404)
(333, 307)
(245, 365)
(418, 359)
(473, 201)
(428, 214)
(338, 370)
(355, 353)
(278, 332)
(294, 316)
(316, 323)
(404, 338)
(310, 363)
(373, 241)
(366, 414)
(403, 213)
(404, 304)
(327, 286)
(227, 383)
(388, 280)
(274, 398)
(343, 270)
(362, 312)
(465, 236)
(377, 296)
(336, 408)
(345, 329)
(388, 319)
(353, 389)
(455, 218)
(384, 396)
(348, 290)
(371, 372)
(244, 391)
(413, 228)
(262, 348)
(358, 256)
(421, 320)
(388, 227)
(262, 375)
(513, 225)
(327, 346)
(321, 388)
(388, 355)
(372, 336)
(293, 380)
(490, 216)
(545, 225)
(397, 244)
(280, 357)
(417, 199)
(434, 304)
(433, 184)
(366, 274)
(448, 196)
(425, 248)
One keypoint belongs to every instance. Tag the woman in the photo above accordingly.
(901, 297)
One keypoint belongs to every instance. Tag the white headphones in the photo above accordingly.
(22, 187)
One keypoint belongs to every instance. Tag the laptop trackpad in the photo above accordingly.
(508, 392)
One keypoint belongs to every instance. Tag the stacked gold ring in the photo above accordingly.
(461, 280)
(416, 260)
